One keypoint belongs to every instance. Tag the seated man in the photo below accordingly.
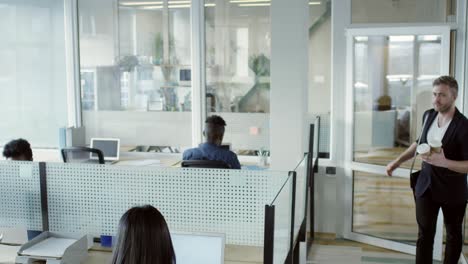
(211, 149)
(18, 149)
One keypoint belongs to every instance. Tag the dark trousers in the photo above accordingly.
(427, 211)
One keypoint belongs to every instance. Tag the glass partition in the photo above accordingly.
(33, 76)
(282, 230)
(238, 55)
(396, 11)
(301, 193)
(384, 207)
(135, 61)
(392, 84)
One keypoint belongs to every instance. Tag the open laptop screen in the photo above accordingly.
(108, 146)
(198, 248)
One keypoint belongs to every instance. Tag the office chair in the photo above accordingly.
(213, 164)
(81, 155)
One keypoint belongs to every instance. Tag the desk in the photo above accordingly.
(233, 254)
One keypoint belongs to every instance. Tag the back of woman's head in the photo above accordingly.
(143, 238)
(18, 149)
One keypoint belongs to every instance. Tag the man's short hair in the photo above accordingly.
(449, 81)
(216, 121)
(16, 148)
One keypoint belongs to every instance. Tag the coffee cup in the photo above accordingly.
(436, 145)
(423, 149)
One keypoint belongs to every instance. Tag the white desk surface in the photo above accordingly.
(233, 254)
(97, 255)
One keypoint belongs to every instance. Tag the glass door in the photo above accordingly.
(389, 86)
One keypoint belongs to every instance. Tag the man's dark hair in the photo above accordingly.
(143, 237)
(449, 81)
(18, 149)
(214, 128)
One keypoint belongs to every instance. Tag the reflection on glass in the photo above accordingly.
(33, 94)
(403, 11)
(384, 207)
(238, 57)
(392, 85)
(135, 61)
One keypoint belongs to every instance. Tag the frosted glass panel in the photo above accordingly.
(33, 94)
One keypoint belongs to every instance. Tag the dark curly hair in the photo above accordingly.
(18, 149)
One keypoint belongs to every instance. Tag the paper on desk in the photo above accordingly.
(144, 162)
(52, 247)
(8, 253)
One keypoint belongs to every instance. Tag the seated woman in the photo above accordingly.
(143, 237)
(18, 149)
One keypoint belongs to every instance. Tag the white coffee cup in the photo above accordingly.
(436, 145)
(423, 149)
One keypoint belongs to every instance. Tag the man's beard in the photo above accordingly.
(444, 108)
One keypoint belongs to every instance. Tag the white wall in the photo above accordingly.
(320, 69)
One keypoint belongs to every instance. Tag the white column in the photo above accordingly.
(289, 82)
(197, 16)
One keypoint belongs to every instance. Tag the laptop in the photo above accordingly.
(110, 148)
(198, 248)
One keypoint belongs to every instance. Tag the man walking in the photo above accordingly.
(439, 187)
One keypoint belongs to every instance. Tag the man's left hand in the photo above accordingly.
(436, 159)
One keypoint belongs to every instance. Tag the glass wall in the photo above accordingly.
(33, 94)
(403, 11)
(136, 72)
(238, 57)
(384, 207)
(391, 96)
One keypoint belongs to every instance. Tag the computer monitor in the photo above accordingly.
(110, 148)
(185, 76)
(198, 248)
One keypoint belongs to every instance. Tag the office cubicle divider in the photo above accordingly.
(20, 195)
(43, 190)
(90, 199)
(253, 208)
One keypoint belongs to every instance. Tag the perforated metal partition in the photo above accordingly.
(90, 199)
(20, 198)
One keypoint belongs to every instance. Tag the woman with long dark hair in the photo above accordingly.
(143, 238)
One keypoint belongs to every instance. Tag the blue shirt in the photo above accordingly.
(208, 151)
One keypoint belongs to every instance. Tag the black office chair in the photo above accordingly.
(213, 164)
(82, 155)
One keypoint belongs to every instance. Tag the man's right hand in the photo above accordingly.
(391, 167)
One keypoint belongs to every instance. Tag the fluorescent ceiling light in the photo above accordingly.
(151, 7)
(314, 3)
(429, 38)
(361, 85)
(179, 6)
(210, 5)
(179, 2)
(249, 1)
(258, 4)
(361, 39)
(140, 3)
(399, 77)
(401, 38)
